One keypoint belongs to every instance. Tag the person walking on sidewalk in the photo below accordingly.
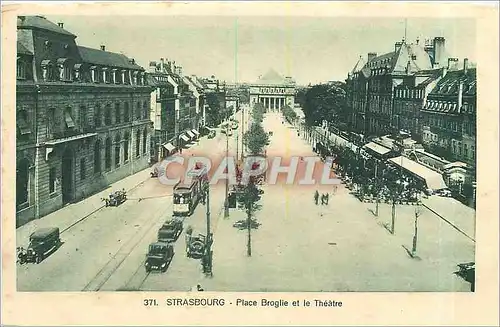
(327, 196)
(316, 196)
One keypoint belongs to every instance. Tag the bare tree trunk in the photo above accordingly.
(249, 232)
(393, 216)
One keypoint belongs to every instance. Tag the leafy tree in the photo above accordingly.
(289, 113)
(256, 139)
(325, 102)
(249, 198)
(217, 110)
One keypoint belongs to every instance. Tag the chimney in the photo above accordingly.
(466, 65)
(439, 47)
(61, 25)
(103, 47)
(451, 63)
(408, 67)
(460, 92)
(132, 61)
(152, 66)
(371, 56)
(418, 40)
(397, 46)
(162, 65)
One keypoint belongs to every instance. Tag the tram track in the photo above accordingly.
(107, 271)
(99, 208)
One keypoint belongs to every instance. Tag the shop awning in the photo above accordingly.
(191, 134)
(195, 132)
(378, 149)
(184, 137)
(168, 146)
(433, 179)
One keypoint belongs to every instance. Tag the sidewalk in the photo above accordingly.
(454, 212)
(72, 213)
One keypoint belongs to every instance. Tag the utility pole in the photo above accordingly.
(415, 234)
(377, 188)
(208, 239)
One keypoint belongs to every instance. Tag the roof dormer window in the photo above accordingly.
(47, 70)
(114, 76)
(105, 75)
(21, 69)
(93, 74)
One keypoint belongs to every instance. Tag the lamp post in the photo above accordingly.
(207, 267)
(415, 233)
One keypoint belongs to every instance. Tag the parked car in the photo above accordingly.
(444, 192)
(159, 256)
(170, 231)
(42, 242)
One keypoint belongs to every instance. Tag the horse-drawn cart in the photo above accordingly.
(116, 198)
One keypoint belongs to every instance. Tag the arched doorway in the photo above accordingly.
(67, 175)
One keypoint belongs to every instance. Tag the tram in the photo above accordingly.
(187, 196)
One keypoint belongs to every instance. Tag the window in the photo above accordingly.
(145, 108)
(83, 118)
(52, 180)
(51, 121)
(21, 69)
(68, 73)
(126, 113)
(138, 111)
(22, 182)
(125, 147)
(114, 75)
(466, 150)
(93, 74)
(105, 74)
(82, 169)
(68, 118)
(23, 122)
(97, 116)
(117, 150)
(137, 143)
(118, 113)
(144, 140)
(107, 115)
(107, 158)
(473, 152)
(97, 157)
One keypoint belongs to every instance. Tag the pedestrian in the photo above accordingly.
(327, 197)
(322, 199)
(316, 196)
(335, 189)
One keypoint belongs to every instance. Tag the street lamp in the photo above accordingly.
(207, 263)
(415, 233)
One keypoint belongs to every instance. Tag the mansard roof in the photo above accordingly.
(41, 23)
(450, 83)
(106, 58)
(21, 49)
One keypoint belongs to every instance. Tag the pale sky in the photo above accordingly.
(310, 49)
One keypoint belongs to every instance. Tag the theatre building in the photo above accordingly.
(82, 118)
(273, 91)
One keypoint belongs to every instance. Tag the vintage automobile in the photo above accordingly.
(212, 134)
(154, 172)
(159, 256)
(170, 231)
(196, 246)
(243, 224)
(116, 198)
(42, 242)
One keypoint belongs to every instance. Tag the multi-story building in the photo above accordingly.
(449, 116)
(177, 107)
(82, 118)
(371, 85)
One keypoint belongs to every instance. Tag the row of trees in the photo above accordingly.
(216, 111)
(256, 140)
(323, 102)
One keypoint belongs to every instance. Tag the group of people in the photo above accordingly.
(324, 198)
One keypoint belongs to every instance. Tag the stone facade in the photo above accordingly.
(371, 85)
(273, 91)
(82, 118)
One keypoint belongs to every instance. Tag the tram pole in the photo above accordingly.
(208, 240)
